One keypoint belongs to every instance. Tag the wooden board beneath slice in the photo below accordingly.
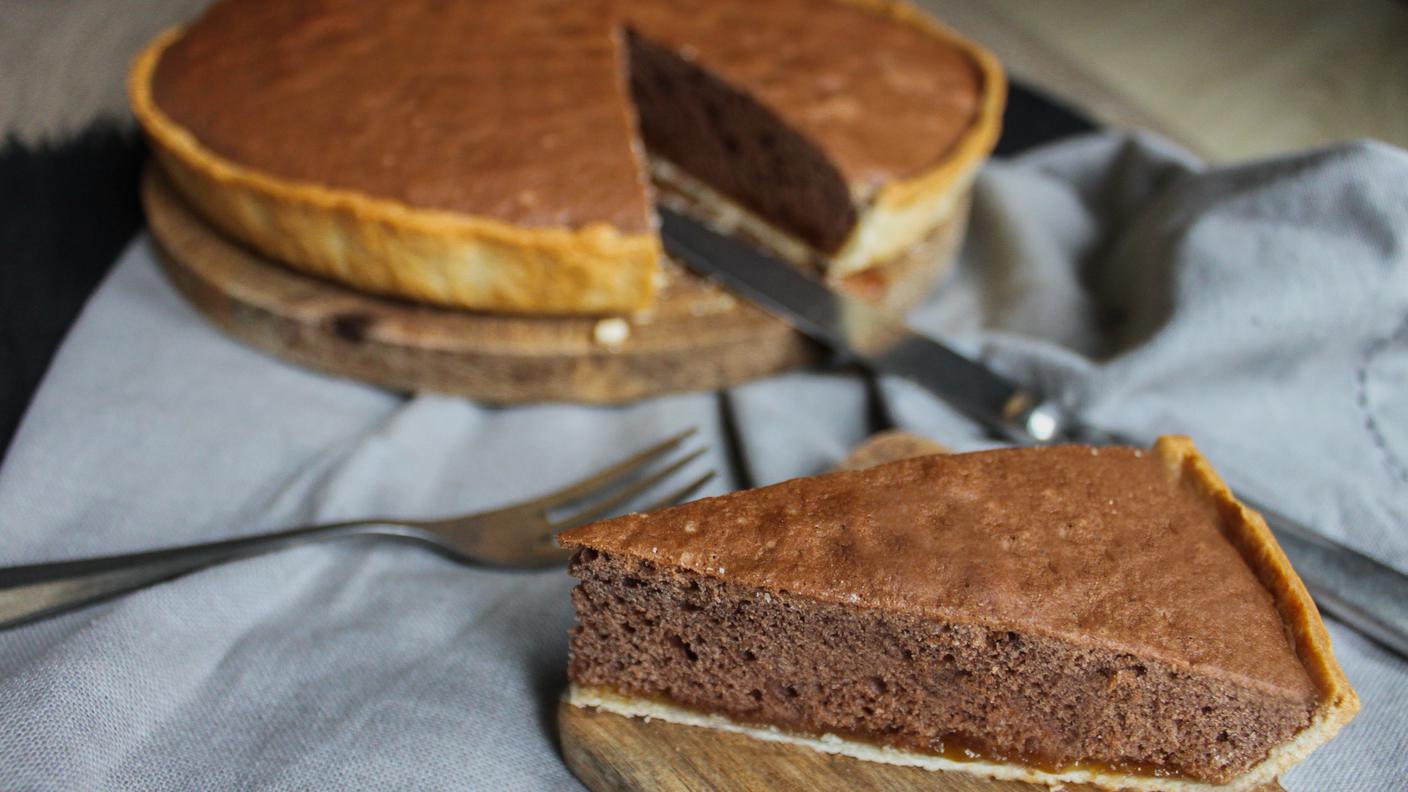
(697, 336)
(613, 753)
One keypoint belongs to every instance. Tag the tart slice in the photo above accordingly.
(1108, 616)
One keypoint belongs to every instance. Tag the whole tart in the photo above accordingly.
(1069, 614)
(499, 154)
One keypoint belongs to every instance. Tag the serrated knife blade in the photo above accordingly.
(856, 329)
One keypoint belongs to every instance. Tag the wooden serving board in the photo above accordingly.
(696, 337)
(613, 753)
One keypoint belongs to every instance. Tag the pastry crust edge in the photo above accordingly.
(388, 247)
(459, 260)
(905, 210)
(609, 700)
(1250, 535)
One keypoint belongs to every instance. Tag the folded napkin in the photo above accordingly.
(1262, 309)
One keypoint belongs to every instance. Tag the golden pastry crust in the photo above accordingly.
(1248, 532)
(906, 210)
(609, 700)
(387, 247)
(459, 260)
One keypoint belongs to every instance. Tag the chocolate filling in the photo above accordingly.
(947, 688)
(725, 138)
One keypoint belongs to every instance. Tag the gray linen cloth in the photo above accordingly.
(1261, 308)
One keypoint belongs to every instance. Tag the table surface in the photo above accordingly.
(65, 212)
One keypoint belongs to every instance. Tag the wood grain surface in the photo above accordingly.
(613, 753)
(697, 336)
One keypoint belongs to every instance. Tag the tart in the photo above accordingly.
(1069, 614)
(499, 154)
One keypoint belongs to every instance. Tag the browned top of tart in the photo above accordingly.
(519, 111)
(501, 108)
(883, 99)
(1111, 546)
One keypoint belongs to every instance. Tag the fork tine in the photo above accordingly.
(679, 494)
(599, 480)
(619, 499)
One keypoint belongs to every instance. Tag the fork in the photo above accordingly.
(516, 536)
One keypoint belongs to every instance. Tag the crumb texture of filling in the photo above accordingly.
(814, 668)
(725, 137)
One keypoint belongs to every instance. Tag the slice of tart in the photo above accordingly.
(492, 154)
(1066, 614)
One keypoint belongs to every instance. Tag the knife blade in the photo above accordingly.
(855, 328)
(1362, 591)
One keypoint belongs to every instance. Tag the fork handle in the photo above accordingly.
(20, 604)
(35, 591)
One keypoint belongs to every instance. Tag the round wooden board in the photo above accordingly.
(697, 336)
(613, 753)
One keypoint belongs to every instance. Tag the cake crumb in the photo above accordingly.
(691, 526)
(611, 332)
(717, 303)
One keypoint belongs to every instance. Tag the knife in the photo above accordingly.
(1368, 595)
